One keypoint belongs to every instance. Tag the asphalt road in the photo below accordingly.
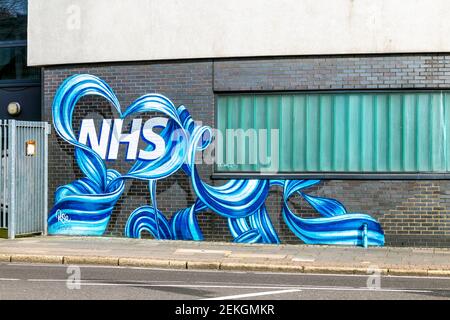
(32, 281)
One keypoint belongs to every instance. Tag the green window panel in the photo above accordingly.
(344, 132)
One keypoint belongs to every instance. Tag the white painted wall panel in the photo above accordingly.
(79, 31)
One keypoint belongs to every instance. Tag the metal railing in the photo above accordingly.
(23, 177)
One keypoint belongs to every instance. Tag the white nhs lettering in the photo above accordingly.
(107, 143)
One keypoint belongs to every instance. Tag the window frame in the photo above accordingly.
(325, 175)
(18, 82)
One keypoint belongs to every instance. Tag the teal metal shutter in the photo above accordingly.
(344, 132)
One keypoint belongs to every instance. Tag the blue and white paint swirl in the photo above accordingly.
(84, 207)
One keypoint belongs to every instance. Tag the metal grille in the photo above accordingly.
(23, 177)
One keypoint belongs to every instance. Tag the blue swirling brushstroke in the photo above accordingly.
(258, 229)
(184, 224)
(84, 207)
(338, 228)
(145, 219)
(97, 183)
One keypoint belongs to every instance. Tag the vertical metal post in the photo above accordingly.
(12, 179)
(365, 235)
(46, 134)
(5, 177)
(2, 202)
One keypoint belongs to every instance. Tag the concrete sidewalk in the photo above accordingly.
(226, 256)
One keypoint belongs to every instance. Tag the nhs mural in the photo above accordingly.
(84, 207)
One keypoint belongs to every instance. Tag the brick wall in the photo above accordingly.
(325, 72)
(412, 213)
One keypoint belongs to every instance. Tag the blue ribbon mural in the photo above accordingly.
(84, 207)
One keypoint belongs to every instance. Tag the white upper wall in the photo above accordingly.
(78, 31)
